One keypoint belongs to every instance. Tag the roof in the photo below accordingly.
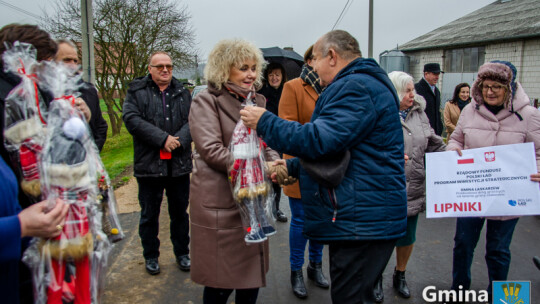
(497, 22)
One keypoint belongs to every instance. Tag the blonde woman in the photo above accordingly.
(221, 260)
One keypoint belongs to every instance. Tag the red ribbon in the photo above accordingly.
(32, 77)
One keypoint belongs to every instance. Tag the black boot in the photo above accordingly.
(378, 292)
(400, 285)
(315, 273)
(536, 261)
(297, 282)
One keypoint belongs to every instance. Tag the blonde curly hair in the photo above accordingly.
(228, 53)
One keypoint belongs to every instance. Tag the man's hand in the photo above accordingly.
(250, 115)
(35, 221)
(83, 107)
(171, 143)
(535, 177)
(278, 173)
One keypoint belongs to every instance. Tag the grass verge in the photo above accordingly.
(117, 153)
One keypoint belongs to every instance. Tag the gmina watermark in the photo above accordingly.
(431, 294)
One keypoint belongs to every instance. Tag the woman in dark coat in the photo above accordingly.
(274, 79)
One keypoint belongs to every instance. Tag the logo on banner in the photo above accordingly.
(512, 292)
(489, 156)
(520, 202)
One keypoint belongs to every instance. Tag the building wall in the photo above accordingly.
(419, 59)
(529, 74)
(524, 54)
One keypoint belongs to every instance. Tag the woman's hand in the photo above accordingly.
(458, 150)
(35, 221)
(535, 177)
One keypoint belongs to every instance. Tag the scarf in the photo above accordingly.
(239, 92)
(494, 109)
(462, 103)
(311, 78)
(403, 114)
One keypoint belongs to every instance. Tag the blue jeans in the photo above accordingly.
(498, 238)
(297, 241)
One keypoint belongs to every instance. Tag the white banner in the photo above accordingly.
(490, 181)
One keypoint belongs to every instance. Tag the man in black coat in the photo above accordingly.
(426, 87)
(67, 53)
(156, 113)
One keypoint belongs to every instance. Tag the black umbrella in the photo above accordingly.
(290, 60)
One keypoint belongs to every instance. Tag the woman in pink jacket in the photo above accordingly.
(499, 114)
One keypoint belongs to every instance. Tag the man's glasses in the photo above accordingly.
(494, 88)
(160, 67)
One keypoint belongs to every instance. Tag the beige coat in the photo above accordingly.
(297, 104)
(419, 138)
(219, 256)
(451, 116)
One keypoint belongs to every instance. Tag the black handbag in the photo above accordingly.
(328, 171)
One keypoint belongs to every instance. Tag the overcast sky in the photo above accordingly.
(297, 23)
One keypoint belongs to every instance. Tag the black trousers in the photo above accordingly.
(220, 296)
(150, 197)
(354, 268)
(277, 197)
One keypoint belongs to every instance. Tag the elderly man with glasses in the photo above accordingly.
(156, 114)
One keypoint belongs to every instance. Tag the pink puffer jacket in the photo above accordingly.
(478, 127)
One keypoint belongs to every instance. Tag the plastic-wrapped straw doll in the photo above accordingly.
(70, 268)
(250, 185)
(25, 115)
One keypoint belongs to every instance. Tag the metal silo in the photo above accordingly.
(394, 60)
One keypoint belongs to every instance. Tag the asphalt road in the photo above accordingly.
(430, 265)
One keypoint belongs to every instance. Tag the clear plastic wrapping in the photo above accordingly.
(71, 267)
(24, 118)
(251, 187)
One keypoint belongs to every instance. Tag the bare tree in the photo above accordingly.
(126, 33)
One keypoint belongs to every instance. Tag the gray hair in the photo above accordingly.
(342, 42)
(400, 80)
(68, 42)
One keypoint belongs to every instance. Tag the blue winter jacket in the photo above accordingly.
(10, 241)
(357, 111)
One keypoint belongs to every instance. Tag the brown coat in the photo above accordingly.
(296, 104)
(451, 116)
(219, 256)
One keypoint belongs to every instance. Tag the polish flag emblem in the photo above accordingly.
(465, 161)
(490, 156)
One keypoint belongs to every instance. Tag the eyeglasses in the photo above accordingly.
(494, 88)
(161, 66)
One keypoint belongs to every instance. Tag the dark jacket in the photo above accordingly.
(97, 124)
(144, 119)
(358, 111)
(8, 81)
(433, 104)
(272, 97)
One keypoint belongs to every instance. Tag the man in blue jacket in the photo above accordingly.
(363, 216)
